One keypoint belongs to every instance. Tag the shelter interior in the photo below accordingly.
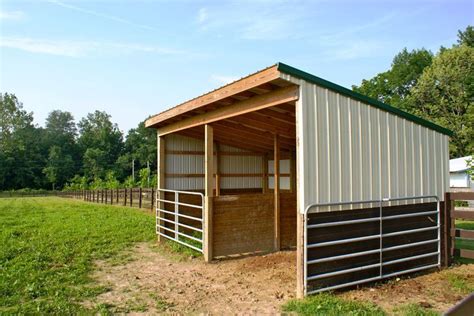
(249, 180)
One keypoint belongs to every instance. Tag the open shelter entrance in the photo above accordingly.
(236, 158)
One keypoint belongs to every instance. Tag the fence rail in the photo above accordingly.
(463, 236)
(132, 197)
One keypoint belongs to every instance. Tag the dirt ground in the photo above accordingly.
(152, 282)
(149, 280)
(431, 290)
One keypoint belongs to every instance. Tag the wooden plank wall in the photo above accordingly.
(244, 223)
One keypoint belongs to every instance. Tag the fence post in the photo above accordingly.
(448, 240)
(140, 197)
(117, 196)
(131, 197)
(152, 199)
(125, 197)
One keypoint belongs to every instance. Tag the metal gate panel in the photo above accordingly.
(373, 244)
(174, 224)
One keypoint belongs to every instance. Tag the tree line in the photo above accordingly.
(94, 153)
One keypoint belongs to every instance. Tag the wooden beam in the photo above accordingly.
(161, 173)
(293, 171)
(239, 86)
(266, 124)
(218, 170)
(265, 174)
(258, 102)
(276, 191)
(209, 190)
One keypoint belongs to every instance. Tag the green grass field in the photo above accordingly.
(48, 246)
(464, 243)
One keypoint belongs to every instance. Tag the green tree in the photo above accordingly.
(20, 146)
(394, 85)
(466, 37)
(444, 95)
(101, 141)
(140, 145)
(59, 167)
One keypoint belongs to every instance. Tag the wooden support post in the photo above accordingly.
(293, 171)
(218, 170)
(124, 197)
(161, 171)
(106, 195)
(131, 197)
(209, 192)
(276, 191)
(265, 173)
(117, 196)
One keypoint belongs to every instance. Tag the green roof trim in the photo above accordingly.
(357, 96)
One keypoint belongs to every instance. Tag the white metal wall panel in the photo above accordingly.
(194, 164)
(350, 150)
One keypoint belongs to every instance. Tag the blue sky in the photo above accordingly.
(136, 58)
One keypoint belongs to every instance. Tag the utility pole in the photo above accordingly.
(133, 170)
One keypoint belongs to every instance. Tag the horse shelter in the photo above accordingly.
(282, 159)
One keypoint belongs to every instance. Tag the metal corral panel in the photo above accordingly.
(352, 151)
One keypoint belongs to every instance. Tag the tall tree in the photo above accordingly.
(102, 139)
(394, 85)
(466, 37)
(445, 95)
(59, 167)
(20, 145)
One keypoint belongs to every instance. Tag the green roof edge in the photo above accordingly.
(357, 96)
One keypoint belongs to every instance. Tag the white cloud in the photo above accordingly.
(223, 79)
(203, 15)
(101, 15)
(12, 15)
(256, 22)
(80, 48)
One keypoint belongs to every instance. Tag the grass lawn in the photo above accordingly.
(48, 247)
(464, 243)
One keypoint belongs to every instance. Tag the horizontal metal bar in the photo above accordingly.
(335, 287)
(330, 274)
(350, 255)
(180, 224)
(370, 201)
(179, 233)
(355, 221)
(179, 203)
(181, 215)
(181, 242)
(409, 215)
(410, 245)
(412, 198)
(342, 241)
(410, 270)
(181, 192)
(410, 258)
(410, 231)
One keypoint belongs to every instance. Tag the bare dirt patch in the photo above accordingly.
(438, 290)
(152, 282)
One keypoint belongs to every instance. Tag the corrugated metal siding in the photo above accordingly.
(352, 151)
(194, 164)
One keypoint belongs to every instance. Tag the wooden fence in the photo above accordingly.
(134, 197)
(464, 235)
